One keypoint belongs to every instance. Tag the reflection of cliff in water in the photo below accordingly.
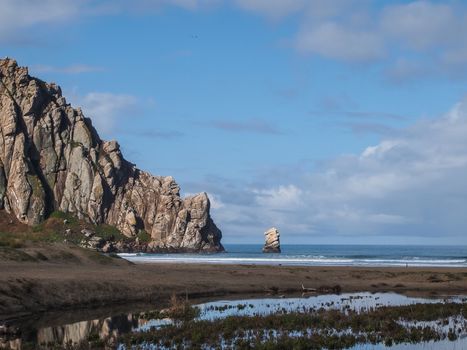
(107, 330)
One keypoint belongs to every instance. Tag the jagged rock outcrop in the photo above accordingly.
(51, 158)
(272, 243)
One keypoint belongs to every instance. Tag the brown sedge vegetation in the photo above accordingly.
(317, 329)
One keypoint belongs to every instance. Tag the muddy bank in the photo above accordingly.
(58, 277)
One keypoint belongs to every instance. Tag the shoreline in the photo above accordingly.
(318, 255)
(28, 288)
(249, 262)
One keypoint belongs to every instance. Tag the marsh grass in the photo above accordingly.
(321, 328)
(181, 310)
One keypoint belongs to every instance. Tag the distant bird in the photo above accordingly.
(194, 36)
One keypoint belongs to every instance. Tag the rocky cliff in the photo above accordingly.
(51, 158)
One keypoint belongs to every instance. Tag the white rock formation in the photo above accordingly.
(272, 243)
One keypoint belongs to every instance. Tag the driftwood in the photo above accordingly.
(323, 289)
(308, 290)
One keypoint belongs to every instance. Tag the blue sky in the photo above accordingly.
(337, 121)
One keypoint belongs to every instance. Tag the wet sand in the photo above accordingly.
(76, 281)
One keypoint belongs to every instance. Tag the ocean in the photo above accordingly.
(321, 255)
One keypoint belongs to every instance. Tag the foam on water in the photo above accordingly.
(330, 255)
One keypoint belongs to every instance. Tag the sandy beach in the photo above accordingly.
(72, 278)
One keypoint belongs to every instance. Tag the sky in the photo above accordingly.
(337, 121)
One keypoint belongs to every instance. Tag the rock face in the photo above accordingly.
(51, 158)
(272, 243)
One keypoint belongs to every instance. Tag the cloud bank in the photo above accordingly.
(408, 188)
(413, 40)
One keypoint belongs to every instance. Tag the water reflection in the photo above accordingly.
(363, 301)
(68, 328)
(108, 329)
(72, 328)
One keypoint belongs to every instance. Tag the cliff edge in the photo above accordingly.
(51, 158)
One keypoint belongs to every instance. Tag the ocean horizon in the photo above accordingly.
(320, 255)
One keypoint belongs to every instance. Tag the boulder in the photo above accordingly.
(87, 233)
(94, 243)
(108, 247)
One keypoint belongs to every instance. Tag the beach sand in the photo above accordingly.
(72, 278)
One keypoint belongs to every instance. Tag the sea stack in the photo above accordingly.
(272, 243)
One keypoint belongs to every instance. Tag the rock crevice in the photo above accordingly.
(51, 158)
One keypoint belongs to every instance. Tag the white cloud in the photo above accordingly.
(273, 9)
(19, 17)
(278, 9)
(362, 33)
(409, 179)
(282, 197)
(16, 15)
(72, 69)
(216, 202)
(421, 24)
(106, 108)
(138, 6)
(403, 70)
(457, 56)
(21, 13)
(379, 150)
(412, 40)
(333, 40)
